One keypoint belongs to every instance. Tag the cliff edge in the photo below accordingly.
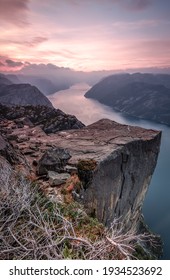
(115, 165)
(106, 167)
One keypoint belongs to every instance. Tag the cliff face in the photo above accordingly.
(114, 164)
(123, 161)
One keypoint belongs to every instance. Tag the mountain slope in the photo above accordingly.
(138, 95)
(22, 94)
(4, 80)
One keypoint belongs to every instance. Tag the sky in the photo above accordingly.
(84, 35)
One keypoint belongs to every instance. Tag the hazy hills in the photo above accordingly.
(50, 78)
(4, 80)
(141, 95)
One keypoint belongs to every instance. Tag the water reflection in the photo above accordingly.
(72, 101)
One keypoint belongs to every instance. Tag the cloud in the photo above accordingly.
(133, 5)
(8, 64)
(35, 41)
(138, 24)
(14, 11)
(13, 64)
(137, 5)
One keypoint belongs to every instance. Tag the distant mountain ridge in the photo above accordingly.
(145, 96)
(4, 80)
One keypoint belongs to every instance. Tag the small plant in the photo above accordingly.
(33, 226)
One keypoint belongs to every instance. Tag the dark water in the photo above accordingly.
(156, 207)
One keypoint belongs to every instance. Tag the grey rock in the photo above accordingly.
(124, 159)
(22, 139)
(56, 179)
(51, 120)
(7, 151)
(70, 169)
(54, 160)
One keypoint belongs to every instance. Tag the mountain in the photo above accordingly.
(22, 94)
(49, 78)
(4, 80)
(145, 96)
(43, 84)
(13, 79)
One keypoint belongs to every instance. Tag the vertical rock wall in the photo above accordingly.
(120, 182)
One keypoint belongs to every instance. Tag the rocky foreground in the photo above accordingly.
(106, 166)
(120, 159)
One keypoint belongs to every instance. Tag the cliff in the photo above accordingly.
(144, 96)
(114, 163)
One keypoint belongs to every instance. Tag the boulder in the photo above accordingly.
(56, 179)
(54, 159)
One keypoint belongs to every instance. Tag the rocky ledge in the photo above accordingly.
(49, 119)
(106, 166)
(115, 163)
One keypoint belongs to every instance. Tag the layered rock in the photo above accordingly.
(118, 161)
(50, 119)
(114, 164)
(53, 159)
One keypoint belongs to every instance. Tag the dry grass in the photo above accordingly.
(34, 227)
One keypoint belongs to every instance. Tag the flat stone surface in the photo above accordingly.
(98, 140)
(124, 159)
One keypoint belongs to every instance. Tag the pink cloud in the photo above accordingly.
(14, 11)
(13, 64)
(35, 41)
(8, 64)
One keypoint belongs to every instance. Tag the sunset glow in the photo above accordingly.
(84, 35)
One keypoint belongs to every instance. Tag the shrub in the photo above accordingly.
(33, 226)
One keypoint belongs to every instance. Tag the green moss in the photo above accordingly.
(87, 164)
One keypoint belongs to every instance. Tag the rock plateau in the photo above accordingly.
(114, 163)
